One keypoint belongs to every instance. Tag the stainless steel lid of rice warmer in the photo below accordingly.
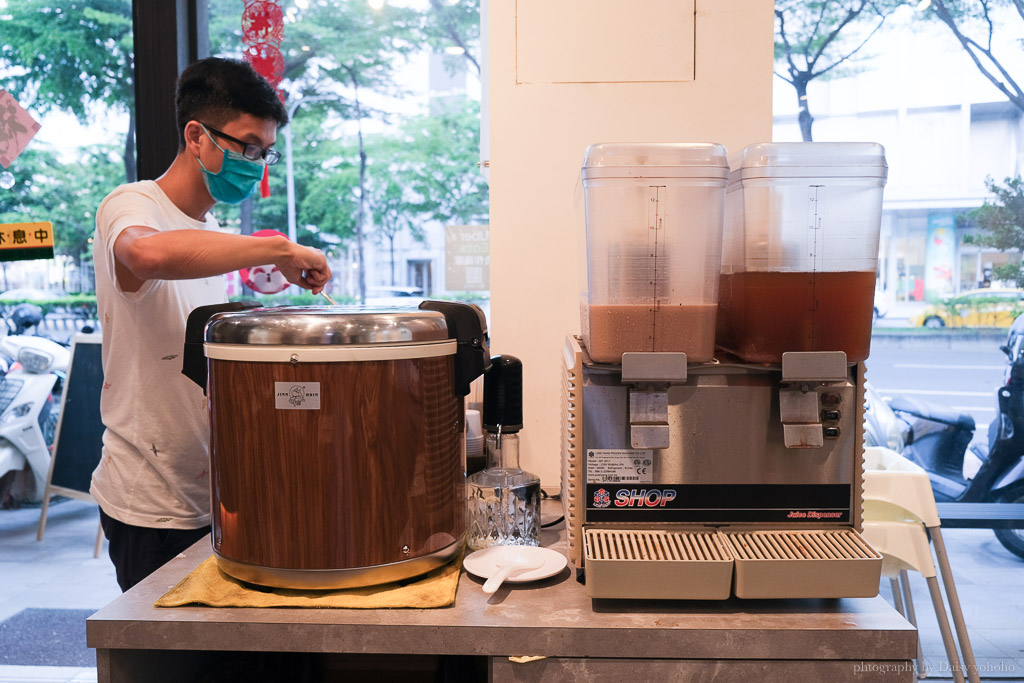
(326, 326)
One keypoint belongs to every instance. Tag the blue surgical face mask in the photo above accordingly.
(237, 178)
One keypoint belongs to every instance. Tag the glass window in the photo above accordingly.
(68, 68)
(380, 164)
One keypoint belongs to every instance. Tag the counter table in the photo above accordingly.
(580, 639)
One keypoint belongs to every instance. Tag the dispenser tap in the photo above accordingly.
(804, 375)
(650, 375)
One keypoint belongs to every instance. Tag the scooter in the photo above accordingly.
(28, 412)
(985, 471)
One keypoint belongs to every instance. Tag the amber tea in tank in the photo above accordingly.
(800, 250)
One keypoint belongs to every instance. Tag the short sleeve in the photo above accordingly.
(124, 208)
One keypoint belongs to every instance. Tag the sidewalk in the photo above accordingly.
(57, 573)
(61, 573)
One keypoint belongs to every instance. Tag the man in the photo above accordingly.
(158, 257)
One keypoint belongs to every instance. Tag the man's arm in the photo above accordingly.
(142, 254)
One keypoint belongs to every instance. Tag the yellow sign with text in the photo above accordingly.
(26, 241)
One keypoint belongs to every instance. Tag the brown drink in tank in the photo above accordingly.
(765, 314)
(618, 328)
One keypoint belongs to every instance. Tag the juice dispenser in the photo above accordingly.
(690, 474)
(654, 225)
(801, 249)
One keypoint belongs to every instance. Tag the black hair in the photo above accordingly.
(216, 90)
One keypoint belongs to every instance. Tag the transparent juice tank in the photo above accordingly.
(654, 217)
(800, 249)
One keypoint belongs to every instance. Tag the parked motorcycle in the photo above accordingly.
(962, 469)
(34, 370)
(882, 426)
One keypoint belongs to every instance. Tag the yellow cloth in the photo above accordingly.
(208, 585)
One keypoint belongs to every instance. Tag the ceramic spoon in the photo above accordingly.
(511, 561)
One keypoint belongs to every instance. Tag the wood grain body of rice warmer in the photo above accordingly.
(337, 440)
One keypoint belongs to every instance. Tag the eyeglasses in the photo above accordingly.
(249, 151)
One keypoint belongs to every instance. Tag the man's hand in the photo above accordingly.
(305, 267)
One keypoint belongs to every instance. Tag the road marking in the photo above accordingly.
(925, 366)
(929, 392)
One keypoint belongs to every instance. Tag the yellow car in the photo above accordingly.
(974, 308)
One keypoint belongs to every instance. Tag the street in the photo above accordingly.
(964, 381)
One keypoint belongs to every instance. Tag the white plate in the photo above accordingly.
(484, 563)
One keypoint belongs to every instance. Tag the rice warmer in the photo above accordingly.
(337, 438)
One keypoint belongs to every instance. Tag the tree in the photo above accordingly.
(73, 198)
(330, 197)
(442, 152)
(454, 23)
(69, 56)
(982, 17)
(392, 210)
(355, 49)
(814, 38)
(1001, 224)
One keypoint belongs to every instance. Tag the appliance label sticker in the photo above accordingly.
(611, 465)
(297, 395)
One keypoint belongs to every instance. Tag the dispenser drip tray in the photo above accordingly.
(706, 564)
(805, 563)
(656, 564)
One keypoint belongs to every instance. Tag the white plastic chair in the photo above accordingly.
(899, 519)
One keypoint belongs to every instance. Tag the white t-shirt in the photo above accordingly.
(155, 466)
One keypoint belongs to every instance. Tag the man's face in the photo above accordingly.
(247, 128)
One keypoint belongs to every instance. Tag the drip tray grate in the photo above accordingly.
(680, 565)
(630, 544)
(800, 545)
(804, 563)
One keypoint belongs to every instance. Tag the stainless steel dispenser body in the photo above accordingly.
(758, 487)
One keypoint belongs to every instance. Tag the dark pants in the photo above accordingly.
(138, 551)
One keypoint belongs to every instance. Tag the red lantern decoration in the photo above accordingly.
(262, 33)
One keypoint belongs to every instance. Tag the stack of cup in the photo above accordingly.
(475, 458)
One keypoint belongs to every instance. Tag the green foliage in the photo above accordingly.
(330, 197)
(467, 297)
(441, 153)
(67, 55)
(814, 37)
(350, 44)
(820, 39)
(76, 191)
(454, 23)
(80, 305)
(427, 171)
(299, 298)
(1000, 221)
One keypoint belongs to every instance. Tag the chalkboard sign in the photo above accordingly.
(79, 439)
(78, 443)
